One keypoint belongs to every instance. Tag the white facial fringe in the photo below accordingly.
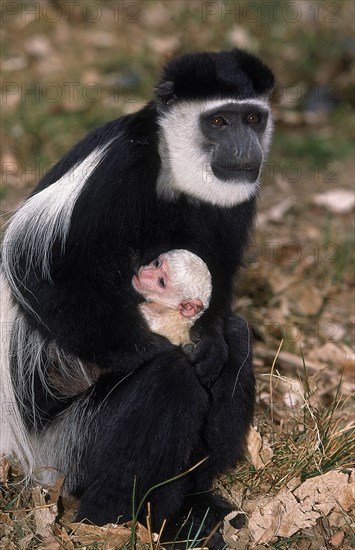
(186, 166)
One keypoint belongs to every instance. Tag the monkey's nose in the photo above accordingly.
(148, 269)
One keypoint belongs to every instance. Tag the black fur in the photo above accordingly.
(160, 422)
(171, 411)
(233, 73)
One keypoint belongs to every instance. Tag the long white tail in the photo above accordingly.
(14, 438)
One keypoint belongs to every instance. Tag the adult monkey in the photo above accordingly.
(180, 173)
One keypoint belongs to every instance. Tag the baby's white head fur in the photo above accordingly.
(190, 277)
(191, 289)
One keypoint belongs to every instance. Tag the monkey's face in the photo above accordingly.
(213, 150)
(156, 283)
(233, 141)
(153, 281)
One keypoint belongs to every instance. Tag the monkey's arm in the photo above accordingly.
(92, 316)
(211, 351)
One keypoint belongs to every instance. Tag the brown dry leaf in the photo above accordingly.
(306, 299)
(287, 392)
(260, 453)
(4, 471)
(291, 118)
(303, 545)
(38, 46)
(280, 516)
(55, 490)
(288, 361)
(240, 37)
(339, 201)
(333, 490)
(337, 540)
(23, 544)
(283, 515)
(143, 534)
(102, 39)
(157, 15)
(70, 507)
(11, 169)
(114, 536)
(236, 539)
(337, 519)
(8, 545)
(279, 281)
(58, 540)
(164, 44)
(235, 493)
(6, 524)
(17, 63)
(292, 392)
(277, 213)
(50, 543)
(44, 513)
(338, 354)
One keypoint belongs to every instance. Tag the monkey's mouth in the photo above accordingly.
(235, 175)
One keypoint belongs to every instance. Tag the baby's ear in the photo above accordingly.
(190, 308)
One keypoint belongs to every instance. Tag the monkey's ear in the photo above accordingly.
(190, 308)
(164, 94)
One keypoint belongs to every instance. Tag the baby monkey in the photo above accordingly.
(177, 288)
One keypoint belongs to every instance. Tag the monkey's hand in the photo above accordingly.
(211, 351)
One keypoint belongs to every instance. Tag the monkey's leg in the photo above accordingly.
(232, 399)
(142, 433)
(227, 421)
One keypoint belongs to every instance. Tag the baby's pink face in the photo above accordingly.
(154, 283)
(153, 279)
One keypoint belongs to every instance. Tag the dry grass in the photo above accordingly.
(313, 443)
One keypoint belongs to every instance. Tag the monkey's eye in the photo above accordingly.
(162, 282)
(218, 121)
(253, 118)
(156, 263)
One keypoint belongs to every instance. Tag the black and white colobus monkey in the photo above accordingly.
(86, 388)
